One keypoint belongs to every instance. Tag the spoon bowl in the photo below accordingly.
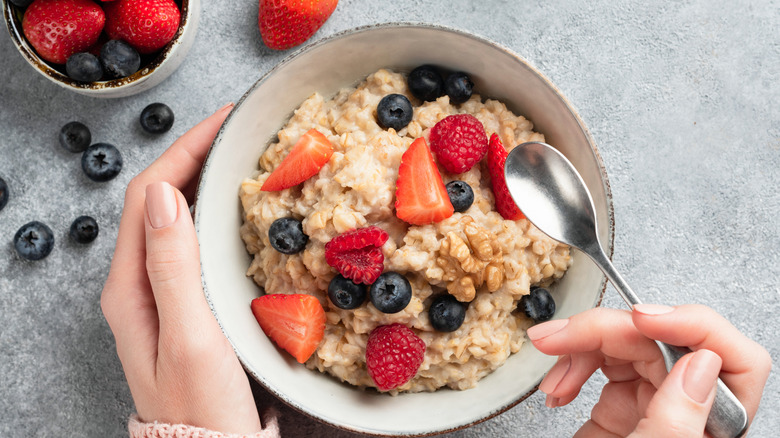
(552, 195)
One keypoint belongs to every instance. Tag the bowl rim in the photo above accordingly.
(609, 242)
(14, 26)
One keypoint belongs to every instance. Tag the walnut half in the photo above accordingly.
(470, 260)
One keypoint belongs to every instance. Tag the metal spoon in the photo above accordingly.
(553, 196)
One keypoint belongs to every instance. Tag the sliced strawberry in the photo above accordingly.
(496, 157)
(420, 196)
(296, 323)
(305, 160)
(287, 23)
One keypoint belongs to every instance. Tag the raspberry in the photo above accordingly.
(357, 254)
(393, 355)
(459, 142)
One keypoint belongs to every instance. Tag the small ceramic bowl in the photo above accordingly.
(327, 66)
(150, 74)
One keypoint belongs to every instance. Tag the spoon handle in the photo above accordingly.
(728, 418)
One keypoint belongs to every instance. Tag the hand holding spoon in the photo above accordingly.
(552, 195)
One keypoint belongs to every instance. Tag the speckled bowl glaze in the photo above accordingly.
(150, 74)
(327, 66)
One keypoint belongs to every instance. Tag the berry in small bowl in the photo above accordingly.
(98, 48)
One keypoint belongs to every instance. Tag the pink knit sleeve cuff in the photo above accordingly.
(139, 429)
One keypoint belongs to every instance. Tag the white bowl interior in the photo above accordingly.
(326, 67)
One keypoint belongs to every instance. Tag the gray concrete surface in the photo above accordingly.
(681, 97)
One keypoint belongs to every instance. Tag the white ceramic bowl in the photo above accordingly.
(344, 60)
(149, 75)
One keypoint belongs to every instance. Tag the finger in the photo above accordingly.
(616, 410)
(681, 405)
(609, 331)
(746, 364)
(173, 264)
(568, 375)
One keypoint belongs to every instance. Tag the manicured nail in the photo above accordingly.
(556, 375)
(653, 309)
(701, 374)
(227, 107)
(546, 329)
(161, 204)
(552, 402)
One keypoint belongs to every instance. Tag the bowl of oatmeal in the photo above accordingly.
(479, 256)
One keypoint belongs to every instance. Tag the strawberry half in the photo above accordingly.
(147, 25)
(496, 157)
(288, 23)
(296, 323)
(420, 196)
(59, 28)
(305, 160)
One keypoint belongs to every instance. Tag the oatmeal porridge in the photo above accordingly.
(485, 261)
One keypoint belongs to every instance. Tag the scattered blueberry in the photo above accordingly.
(75, 137)
(345, 293)
(3, 193)
(394, 111)
(391, 292)
(84, 67)
(157, 118)
(461, 195)
(538, 305)
(425, 83)
(446, 313)
(459, 87)
(101, 162)
(286, 235)
(84, 229)
(119, 59)
(34, 240)
(21, 3)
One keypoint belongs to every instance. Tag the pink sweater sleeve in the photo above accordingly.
(139, 429)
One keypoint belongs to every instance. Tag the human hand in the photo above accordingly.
(640, 399)
(179, 366)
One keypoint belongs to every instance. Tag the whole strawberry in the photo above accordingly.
(147, 25)
(288, 23)
(393, 355)
(60, 28)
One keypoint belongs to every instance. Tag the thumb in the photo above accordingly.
(681, 405)
(173, 260)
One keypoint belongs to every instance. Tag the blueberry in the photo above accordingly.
(459, 87)
(84, 229)
(75, 137)
(101, 162)
(461, 195)
(345, 293)
(286, 235)
(3, 193)
(538, 305)
(446, 313)
(391, 292)
(157, 118)
(119, 59)
(34, 240)
(394, 111)
(425, 83)
(84, 67)
(21, 3)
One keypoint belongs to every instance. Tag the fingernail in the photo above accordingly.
(556, 375)
(552, 402)
(653, 309)
(546, 329)
(700, 376)
(227, 106)
(161, 204)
